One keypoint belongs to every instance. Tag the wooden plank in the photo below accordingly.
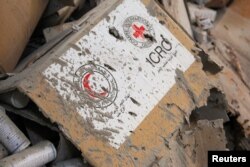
(143, 140)
(178, 11)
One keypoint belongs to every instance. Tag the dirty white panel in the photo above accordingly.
(118, 72)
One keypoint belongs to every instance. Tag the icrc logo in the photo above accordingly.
(96, 84)
(138, 31)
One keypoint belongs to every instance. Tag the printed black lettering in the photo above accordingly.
(152, 58)
(159, 50)
(147, 60)
(166, 44)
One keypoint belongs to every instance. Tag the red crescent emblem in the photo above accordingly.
(88, 88)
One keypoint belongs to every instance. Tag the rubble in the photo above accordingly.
(200, 12)
(15, 98)
(128, 83)
(202, 19)
(205, 24)
(233, 30)
(37, 155)
(200, 35)
(215, 109)
(80, 130)
(225, 47)
(206, 135)
(10, 136)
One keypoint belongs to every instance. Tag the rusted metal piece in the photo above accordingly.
(10, 136)
(140, 140)
(16, 29)
(3, 151)
(37, 155)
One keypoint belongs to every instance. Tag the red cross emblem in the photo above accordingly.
(138, 31)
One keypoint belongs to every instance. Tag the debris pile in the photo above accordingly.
(123, 83)
(224, 40)
(202, 19)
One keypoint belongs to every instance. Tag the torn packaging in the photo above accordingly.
(103, 109)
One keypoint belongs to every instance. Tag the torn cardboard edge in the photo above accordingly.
(192, 90)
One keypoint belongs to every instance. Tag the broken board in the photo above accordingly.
(120, 84)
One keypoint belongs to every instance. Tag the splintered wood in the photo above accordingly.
(122, 86)
(231, 51)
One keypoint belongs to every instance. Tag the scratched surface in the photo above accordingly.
(118, 73)
(150, 143)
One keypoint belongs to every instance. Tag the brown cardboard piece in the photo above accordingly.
(18, 19)
(147, 143)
